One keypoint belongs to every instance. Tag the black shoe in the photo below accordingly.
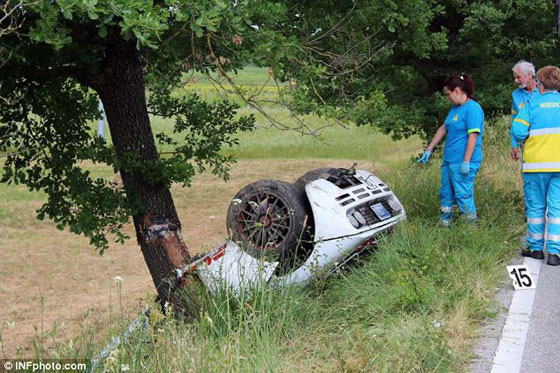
(535, 254)
(553, 260)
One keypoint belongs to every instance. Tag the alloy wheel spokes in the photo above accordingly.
(264, 221)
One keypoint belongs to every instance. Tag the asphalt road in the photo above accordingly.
(543, 337)
(525, 336)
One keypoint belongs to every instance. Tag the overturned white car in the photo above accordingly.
(284, 233)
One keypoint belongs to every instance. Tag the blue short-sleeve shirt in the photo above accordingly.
(461, 121)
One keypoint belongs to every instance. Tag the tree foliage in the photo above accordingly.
(410, 47)
(51, 69)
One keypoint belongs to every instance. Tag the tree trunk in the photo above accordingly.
(122, 89)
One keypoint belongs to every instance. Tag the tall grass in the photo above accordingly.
(413, 305)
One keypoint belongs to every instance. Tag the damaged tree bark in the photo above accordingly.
(122, 89)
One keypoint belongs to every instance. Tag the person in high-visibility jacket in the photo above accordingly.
(538, 124)
(525, 77)
(462, 153)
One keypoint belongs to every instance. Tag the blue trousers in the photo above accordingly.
(457, 189)
(542, 191)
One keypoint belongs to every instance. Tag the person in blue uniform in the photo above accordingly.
(462, 153)
(538, 124)
(525, 78)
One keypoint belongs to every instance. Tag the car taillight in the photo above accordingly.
(395, 205)
(357, 219)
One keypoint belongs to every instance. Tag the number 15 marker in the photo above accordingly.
(521, 277)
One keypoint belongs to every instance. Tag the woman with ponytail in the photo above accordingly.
(462, 152)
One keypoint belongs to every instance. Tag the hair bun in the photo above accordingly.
(463, 81)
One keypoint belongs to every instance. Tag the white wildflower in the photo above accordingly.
(437, 324)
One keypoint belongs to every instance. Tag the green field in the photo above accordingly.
(332, 141)
(319, 138)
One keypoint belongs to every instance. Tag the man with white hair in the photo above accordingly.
(538, 125)
(525, 78)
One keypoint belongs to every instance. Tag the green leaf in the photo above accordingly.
(199, 32)
(102, 32)
(67, 14)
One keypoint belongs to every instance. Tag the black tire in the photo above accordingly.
(269, 218)
(313, 175)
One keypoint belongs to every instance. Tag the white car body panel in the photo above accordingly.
(336, 239)
(229, 266)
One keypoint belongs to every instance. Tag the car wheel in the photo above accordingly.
(269, 219)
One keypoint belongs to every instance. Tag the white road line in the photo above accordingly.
(509, 354)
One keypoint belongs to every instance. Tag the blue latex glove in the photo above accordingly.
(465, 168)
(425, 157)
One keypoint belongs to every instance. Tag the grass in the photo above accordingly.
(37, 260)
(248, 76)
(331, 141)
(334, 141)
(414, 305)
